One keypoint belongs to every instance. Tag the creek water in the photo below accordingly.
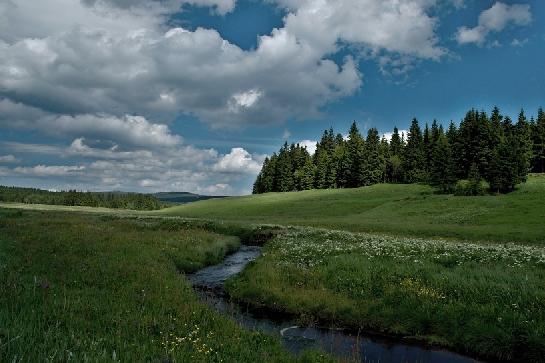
(209, 281)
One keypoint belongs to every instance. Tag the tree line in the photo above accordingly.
(485, 153)
(77, 198)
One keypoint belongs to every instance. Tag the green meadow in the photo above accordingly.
(465, 273)
(94, 288)
(399, 209)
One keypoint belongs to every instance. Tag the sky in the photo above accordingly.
(192, 95)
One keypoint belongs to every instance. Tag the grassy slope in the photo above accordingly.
(98, 288)
(487, 300)
(393, 209)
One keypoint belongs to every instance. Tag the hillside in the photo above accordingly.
(391, 208)
(182, 197)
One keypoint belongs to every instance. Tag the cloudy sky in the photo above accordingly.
(191, 95)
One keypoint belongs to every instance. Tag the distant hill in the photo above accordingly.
(182, 197)
(401, 209)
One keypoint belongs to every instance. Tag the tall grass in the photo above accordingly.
(80, 288)
(485, 300)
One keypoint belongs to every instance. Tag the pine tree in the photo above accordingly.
(413, 158)
(427, 147)
(307, 175)
(524, 148)
(396, 144)
(395, 167)
(355, 149)
(385, 157)
(442, 173)
(284, 170)
(373, 165)
(539, 143)
(342, 161)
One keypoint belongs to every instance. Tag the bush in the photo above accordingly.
(471, 187)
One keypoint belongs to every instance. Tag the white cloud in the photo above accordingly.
(118, 57)
(400, 26)
(388, 135)
(177, 168)
(238, 161)
(244, 100)
(286, 135)
(310, 145)
(495, 19)
(49, 170)
(458, 4)
(8, 159)
(519, 42)
(127, 130)
(79, 148)
(132, 130)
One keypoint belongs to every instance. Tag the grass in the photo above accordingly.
(484, 300)
(406, 210)
(79, 287)
(462, 272)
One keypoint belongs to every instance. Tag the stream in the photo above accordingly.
(209, 281)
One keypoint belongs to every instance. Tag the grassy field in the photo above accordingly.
(484, 300)
(407, 210)
(462, 272)
(80, 287)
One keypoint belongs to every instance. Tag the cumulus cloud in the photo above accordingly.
(79, 148)
(116, 73)
(107, 57)
(8, 159)
(238, 161)
(495, 19)
(401, 26)
(179, 168)
(49, 170)
(127, 130)
(310, 145)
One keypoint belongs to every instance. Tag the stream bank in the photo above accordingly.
(209, 282)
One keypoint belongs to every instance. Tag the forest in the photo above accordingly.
(78, 198)
(484, 154)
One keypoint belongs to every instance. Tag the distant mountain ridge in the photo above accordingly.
(182, 197)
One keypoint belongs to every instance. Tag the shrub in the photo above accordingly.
(471, 187)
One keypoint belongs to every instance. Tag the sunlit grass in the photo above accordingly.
(484, 299)
(77, 287)
(406, 210)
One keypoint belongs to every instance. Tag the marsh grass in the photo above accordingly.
(487, 300)
(76, 287)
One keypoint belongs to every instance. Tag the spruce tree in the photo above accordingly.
(355, 149)
(307, 175)
(373, 165)
(413, 158)
(284, 170)
(342, 162)
(442, 170)
(539, 143)
(524, 149)
(395, 167)
(385, 158)
(427, 147)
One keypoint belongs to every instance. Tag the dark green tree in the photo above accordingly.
(413, 157)
(373, 164)
(442, 169)
(538, 137)
(356, 152)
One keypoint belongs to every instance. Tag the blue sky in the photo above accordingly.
(191, 95)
